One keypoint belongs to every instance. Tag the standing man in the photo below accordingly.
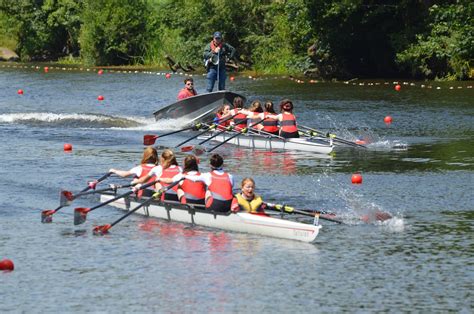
(215, 55)
(188, 89)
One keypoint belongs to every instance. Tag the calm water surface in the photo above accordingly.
(419, 169)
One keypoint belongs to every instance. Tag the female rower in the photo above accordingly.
(149, 161)
(287, 119)
(256, 114)
(190, 192)
(270, 123)
(240, 119)
(167, 169)
(219, 185)
(222, 114)
(247, 200)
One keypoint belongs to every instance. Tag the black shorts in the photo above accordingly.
(219, 206)
(289, 134)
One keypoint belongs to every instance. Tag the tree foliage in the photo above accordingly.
(329, 38)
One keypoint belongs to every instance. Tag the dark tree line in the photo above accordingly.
(322, 38)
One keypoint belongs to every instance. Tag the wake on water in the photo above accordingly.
(94, 121)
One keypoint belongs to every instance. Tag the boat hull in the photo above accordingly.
(275, 143)
(238, 222)
(196, 108)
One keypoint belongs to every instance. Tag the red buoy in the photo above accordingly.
(100, 72)
(100, 97)
(356, 178)
(360, 142)
(7, 265)
(67, 147)
(398, 87)
(167, 75)
(232, 78)
(46, 69)
(20, 92)
(387, 119)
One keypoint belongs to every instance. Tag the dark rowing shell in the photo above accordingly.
(197, 108)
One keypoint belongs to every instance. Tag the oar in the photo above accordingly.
(67, 197)
(244, 130)
(150, 139)
(314, 132)
(80, 213)
(212, 127)
(100, 230)
(291, 210)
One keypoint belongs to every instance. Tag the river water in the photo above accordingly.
(419, 169)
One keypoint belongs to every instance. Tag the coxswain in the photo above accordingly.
(219, 184)
(188, 89)
(148, 162)
(247, 200)
(167, 169)
(287, 120)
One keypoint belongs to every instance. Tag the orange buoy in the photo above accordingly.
(100, 97)
(360, 142)
(7, 265)
(20, 92)
(232, 78)
(100, 72)
(167, 75)
(387, 119)
(46, 69)
(356, 178)
(67, 147)
(398, 87)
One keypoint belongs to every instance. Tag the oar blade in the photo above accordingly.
(188, 148)
(149, 139)
(47, 216)
(80, 215)
(101, 230)
(65, 198)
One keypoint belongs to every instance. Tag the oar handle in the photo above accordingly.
(91, 185)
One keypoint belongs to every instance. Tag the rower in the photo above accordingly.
(167, 169)
(270, 123)
(288, 127)
(255, 114)
(219, 185)
(149, 161)
(240, 119)
(222, 113)
(190, 192)
(247, 200)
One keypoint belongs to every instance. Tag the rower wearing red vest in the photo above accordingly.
(287, 119)
(219, 185)
(167, 169)
(222, 114)
(190, 192)
(240, 119)
(188, 89)
(149, 161)
(270, 125)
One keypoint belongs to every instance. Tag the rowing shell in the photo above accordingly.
(275, 143)
(239, 222)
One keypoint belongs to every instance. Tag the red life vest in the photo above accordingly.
(222, 125)
(221, 186)
(169, 173)
(145, 170)
(270, 125)
(240, 121)
(288, 124)
(193, 190)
